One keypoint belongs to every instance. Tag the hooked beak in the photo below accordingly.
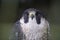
(32, 16)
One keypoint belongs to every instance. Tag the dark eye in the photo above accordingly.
(37, 14)
(26, 15)
(38, 17)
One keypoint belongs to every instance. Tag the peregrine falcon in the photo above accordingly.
(32, 26)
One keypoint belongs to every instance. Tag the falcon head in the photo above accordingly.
(33, 13)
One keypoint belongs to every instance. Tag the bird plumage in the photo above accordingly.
(32, 29)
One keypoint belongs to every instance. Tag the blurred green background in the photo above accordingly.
(11, 9)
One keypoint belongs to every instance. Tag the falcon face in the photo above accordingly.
(32, 14)
(34, 25)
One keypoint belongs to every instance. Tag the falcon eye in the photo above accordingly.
(37, 13)
(38, 17)
(26, 15)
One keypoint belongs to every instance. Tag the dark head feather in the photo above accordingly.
(38, 15)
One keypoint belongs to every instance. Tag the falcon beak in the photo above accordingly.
(32, 16)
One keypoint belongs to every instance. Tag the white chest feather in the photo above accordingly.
(32, 30)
